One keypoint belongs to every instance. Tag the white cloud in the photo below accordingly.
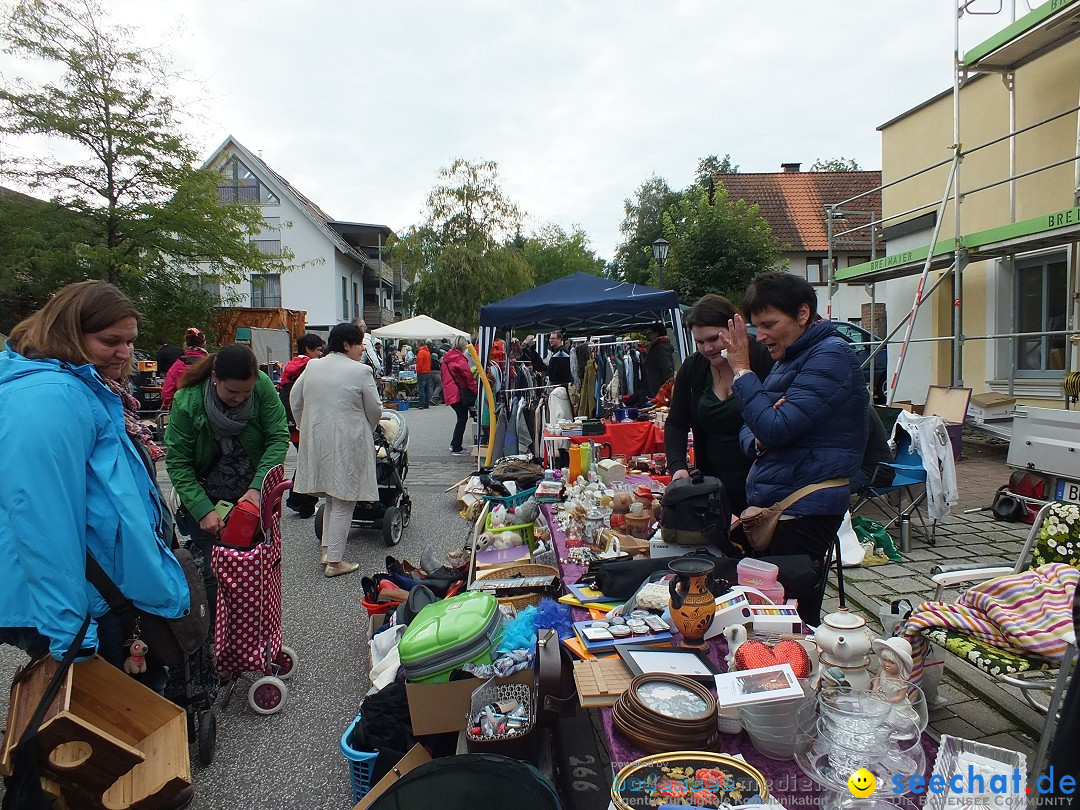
(359, 104)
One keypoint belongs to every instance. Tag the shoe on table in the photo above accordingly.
(339, 568)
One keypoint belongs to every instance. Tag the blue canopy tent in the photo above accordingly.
(582, 304)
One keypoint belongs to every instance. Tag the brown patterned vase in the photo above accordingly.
(692, 604)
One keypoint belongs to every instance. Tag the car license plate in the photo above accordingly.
(1068, 491)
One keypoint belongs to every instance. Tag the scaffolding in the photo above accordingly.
(1041, 31)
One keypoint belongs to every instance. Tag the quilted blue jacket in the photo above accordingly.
(74, 482)
(818, 433)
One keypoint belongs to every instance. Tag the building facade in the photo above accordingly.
(339, 268)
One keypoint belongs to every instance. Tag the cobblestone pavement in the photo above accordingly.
(975, 707)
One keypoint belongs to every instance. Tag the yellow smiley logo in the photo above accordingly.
(862, 783)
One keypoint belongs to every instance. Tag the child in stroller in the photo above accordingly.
(393, 510)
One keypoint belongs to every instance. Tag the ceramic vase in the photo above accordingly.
(692, 605)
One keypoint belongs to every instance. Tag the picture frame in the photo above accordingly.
(643, 659)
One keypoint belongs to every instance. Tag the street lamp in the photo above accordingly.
(659, 252)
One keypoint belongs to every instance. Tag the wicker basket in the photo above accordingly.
(520, 570)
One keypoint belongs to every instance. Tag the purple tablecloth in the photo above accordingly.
(787, 783)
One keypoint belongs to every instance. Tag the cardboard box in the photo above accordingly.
(951, 404)
(991, 407)
(435, 708)
(416, 757)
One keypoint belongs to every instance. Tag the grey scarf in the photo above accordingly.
(226, 422)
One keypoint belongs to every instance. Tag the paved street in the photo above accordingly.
(291, 760)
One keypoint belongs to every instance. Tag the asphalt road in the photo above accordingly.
(291, 760)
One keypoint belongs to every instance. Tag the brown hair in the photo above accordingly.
(710, 310)
(56, 330)
(232, 362)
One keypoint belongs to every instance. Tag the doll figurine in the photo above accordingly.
(896, 665)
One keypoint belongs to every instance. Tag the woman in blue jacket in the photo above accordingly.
(76, 482)
(806, 422)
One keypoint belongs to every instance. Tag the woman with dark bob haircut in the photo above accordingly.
(337, 407)
(227, 428)
(78, 482)
(806, 422)
(701, 401)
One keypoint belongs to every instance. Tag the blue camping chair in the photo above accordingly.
(905, 493)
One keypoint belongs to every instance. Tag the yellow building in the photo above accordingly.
(1017, 256)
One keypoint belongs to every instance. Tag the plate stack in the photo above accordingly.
(666, 713)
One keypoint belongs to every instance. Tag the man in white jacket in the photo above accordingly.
(370, 356)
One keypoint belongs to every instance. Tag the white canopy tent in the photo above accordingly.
(421, 327)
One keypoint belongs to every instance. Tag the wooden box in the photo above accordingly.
(106, 740)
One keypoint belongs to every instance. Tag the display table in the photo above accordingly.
(625, 438)
(787, 783)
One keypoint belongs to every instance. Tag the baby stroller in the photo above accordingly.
(393, 510)
(247, 635)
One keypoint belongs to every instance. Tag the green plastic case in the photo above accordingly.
(444, 635)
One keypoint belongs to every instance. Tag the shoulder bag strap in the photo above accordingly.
(799, 494)
(105, 586)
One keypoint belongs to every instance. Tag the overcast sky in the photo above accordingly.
(359, 104)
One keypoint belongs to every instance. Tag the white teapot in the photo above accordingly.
(843, 638)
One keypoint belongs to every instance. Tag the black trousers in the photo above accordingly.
(813, 535)
(459, 428)
(298, 501)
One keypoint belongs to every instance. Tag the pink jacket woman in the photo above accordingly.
(456, 374)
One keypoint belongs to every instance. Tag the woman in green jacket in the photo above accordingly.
(227, 428)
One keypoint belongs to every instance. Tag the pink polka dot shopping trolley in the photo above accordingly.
(247, 633)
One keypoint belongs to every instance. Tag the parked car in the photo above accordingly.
(862, 343)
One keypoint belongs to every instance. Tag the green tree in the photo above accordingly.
(840, 164)
(116, 158)
(717, 245)
(459, 256)
(552, 253)
(710, 165)
(643, 224)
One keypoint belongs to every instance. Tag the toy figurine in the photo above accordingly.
(136, 660)
(736, 636)
(896, 665)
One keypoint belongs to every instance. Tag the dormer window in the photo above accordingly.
(239, 184)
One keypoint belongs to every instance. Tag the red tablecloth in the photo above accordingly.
(628, 438)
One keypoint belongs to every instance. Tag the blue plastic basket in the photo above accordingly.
(361, 763)
(510, 501)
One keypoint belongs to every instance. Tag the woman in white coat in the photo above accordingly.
(337, 408)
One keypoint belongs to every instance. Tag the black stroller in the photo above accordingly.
(393, 510)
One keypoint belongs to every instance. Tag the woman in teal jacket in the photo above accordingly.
(75, 481)
(227, 428)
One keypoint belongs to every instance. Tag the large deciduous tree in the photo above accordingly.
(840, 164)
(643, 224)
(717, 244)
(104, 140)
(552, 253)
(459, 256)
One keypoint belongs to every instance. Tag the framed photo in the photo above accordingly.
(757, 686)
(650, 659)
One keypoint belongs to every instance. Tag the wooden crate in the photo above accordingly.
(106, 740)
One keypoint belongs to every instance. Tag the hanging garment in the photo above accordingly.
(931, 441)
(587, 404)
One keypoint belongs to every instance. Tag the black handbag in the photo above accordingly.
(1007, 506)
(168, 641)
(695, 511)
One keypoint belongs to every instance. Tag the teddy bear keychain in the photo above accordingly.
(135, 663)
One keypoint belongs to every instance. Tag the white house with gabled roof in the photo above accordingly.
(340, 270)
